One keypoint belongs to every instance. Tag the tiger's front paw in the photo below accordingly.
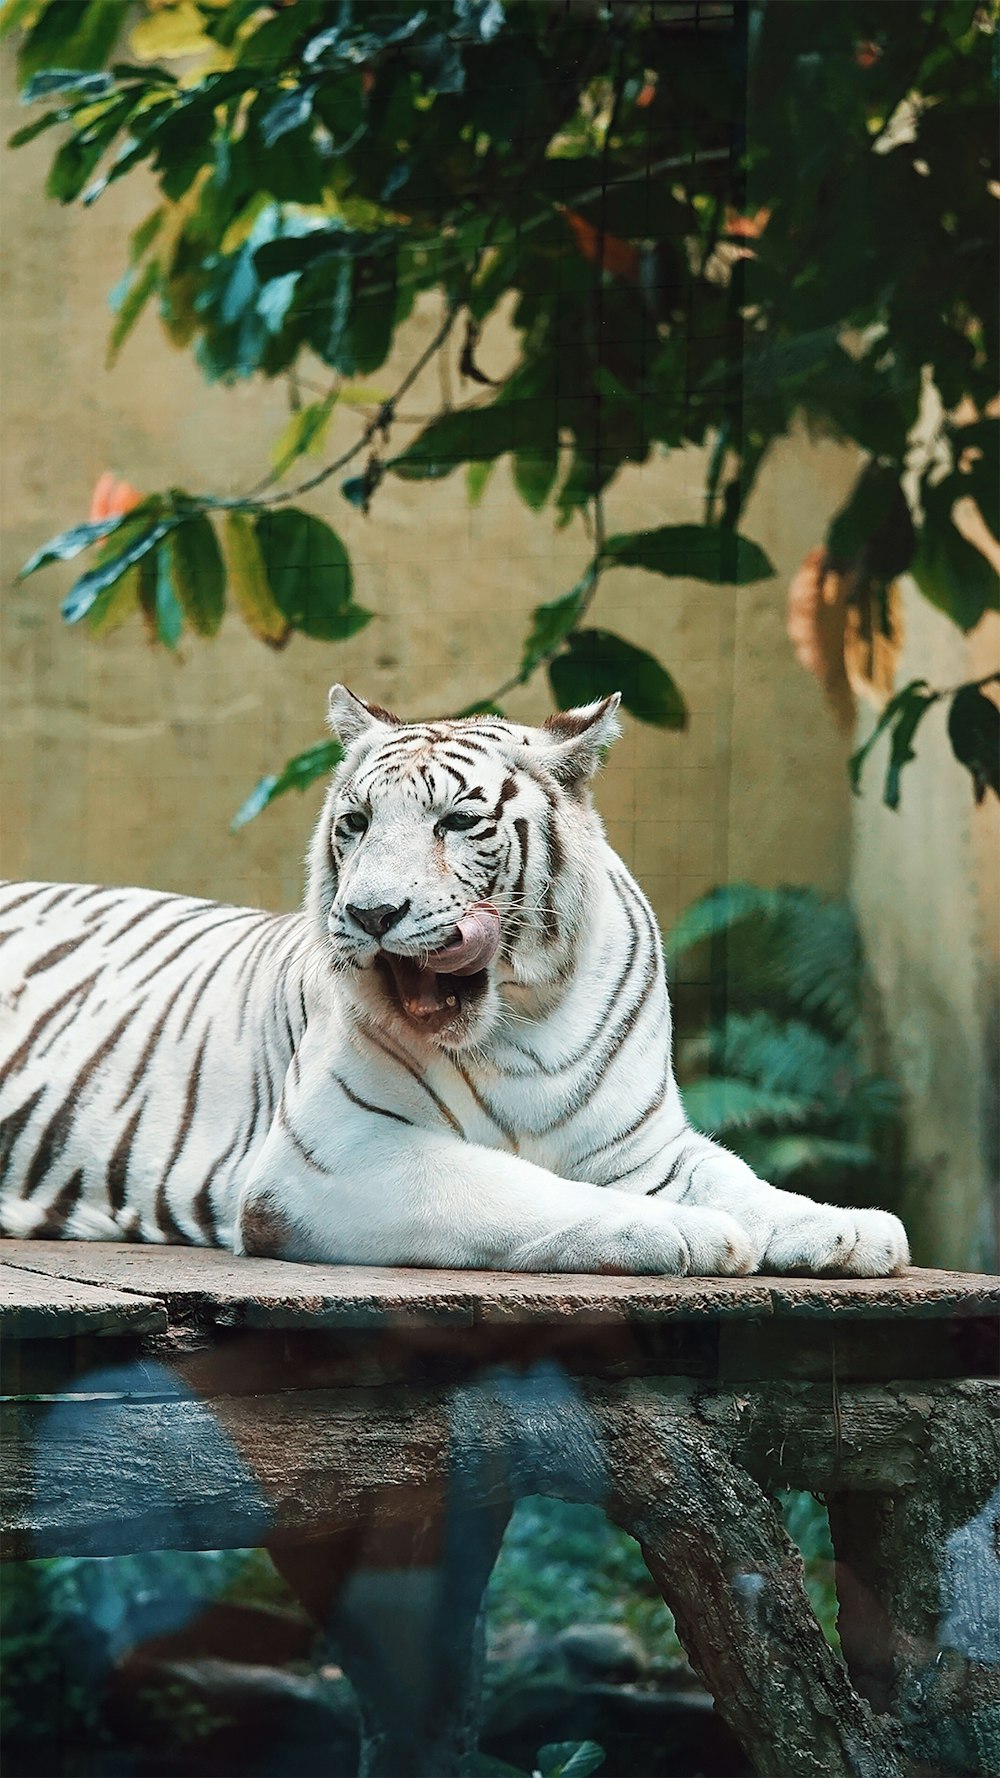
(829, 1242)
(718, 1247)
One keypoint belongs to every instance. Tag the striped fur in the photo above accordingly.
(174, 1070)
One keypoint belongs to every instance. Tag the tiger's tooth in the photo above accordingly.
(451, 1000)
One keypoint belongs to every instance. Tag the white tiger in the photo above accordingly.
(457, 1054)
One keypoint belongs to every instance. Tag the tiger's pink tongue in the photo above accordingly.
(422, 990)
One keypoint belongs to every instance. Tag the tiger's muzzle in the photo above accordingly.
(434, 990)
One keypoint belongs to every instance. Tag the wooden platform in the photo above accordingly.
(180, 1397)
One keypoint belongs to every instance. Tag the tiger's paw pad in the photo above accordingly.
(835, 1243)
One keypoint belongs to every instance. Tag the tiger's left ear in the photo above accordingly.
(350, 716)
(576, 739)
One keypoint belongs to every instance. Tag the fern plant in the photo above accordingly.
(777, 1071)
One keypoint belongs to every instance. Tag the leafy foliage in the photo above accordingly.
(973, 730)
(671, 280)
(780, 1073)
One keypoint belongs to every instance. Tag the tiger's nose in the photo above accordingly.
(377, 920)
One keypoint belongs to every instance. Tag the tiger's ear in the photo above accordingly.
(576, 739)
(350, 716)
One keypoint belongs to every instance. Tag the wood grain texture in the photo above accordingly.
(31, 1310)
(216, 1287)
(95, 1474)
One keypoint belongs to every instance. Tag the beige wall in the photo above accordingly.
(119, 763)
(925, 882)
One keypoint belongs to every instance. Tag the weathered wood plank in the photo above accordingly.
(30, 1309)
(97, 1476)
(919, 1292)
(218, 1287)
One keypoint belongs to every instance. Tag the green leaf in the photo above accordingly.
(696, 552)
(76, 159)
(874, 524)
(38, 125)
(949, 571)
(197, 573)
(297, 773)
(66, 80)
(522, 418)
(168, 618)
(81, 34)
(70, 543)
(310, 574)
(550, 623)
(596, 663)
(13, 14)
(901, 718)
(289, 112)
(974, 733)
(248, 583)
(115, 605)
(304, 432)
(534, 476)
(570, 1759)
(134, 295)
(83, 593)
(476, 477)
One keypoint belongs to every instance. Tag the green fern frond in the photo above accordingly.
(714, 915)
(780, 1055)
(781, 1157)
(716, 1104)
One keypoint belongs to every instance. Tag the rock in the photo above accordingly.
(603, 1651)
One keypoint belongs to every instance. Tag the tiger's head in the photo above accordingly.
(450, 870)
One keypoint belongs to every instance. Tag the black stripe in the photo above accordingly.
(21, 901)
(116, 1178)
(144, 914)
(11, 1127)
(297, 1142)
(201, 1205)
(164, 1215)
(485, 1107)
(197, 913)
(79, 994)
(675, 1168)
(185, 945)
(150, 1045)
(56, 1134)
(380, 1043)
(20, 1056)
(61, 1209)
(56, 955)
(365, 1105)
(555, 858)
(635, 1126)
(207, 977)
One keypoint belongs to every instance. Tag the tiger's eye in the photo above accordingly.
(458, 821)
(353, 822)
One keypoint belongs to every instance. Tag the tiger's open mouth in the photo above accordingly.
(433, 991)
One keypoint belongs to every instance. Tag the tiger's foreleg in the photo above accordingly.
(389, 1193)
(789, 1233)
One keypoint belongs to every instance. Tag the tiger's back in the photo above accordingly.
(140, 1043)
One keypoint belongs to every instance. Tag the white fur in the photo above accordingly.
(534, 1133)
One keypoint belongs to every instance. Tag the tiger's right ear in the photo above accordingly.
(350, 716)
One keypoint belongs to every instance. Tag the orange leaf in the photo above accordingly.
(614, 254)
(112, 497)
